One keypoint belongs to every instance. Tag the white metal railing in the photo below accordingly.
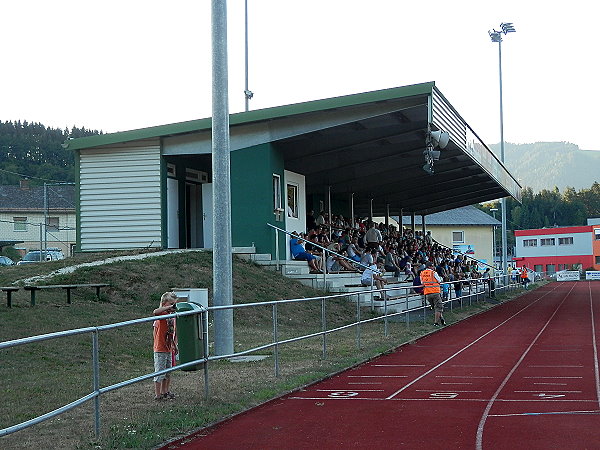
(476, 289)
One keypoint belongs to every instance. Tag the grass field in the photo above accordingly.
(41, 377)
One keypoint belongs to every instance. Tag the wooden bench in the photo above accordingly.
(9, 290)
(67, 287)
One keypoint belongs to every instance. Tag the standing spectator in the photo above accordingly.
(458, 284)
(445, 289)
(321, 219)
(165, 344)
(311, 222)
(418, 288)
(373, 237)
(525, 276)
(487, 276)
(431, 288)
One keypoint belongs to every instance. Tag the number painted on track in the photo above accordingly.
(443, 395)
(549, 395)
(343, 394)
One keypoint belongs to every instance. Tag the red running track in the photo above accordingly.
(523, 375)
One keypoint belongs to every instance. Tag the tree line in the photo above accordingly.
(34, 150)
(550, 208)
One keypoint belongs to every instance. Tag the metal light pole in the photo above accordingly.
(493, 211)
(496, 36)
(248, 94)
(222, 257)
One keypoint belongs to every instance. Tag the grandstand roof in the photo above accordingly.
(369, 144)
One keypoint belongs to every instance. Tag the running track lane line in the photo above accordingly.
(594, 345)
(467, 346)
(486, 412)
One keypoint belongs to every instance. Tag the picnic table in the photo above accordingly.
(66, 287)
(9, 290)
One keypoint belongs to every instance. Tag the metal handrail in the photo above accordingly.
(465, 255)
(324, 248)
(98, 391)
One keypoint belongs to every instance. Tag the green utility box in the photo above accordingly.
(190, 335)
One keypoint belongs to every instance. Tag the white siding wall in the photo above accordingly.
(120, 200)
(582, 245)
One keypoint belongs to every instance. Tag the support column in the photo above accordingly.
(400, 223)
(387, 215)
(423, 224)
(412, 222)
(329, 211)
(222, 257)
(352, 222)
(371, 209)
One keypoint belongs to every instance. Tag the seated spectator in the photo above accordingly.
(353, 251)
(370, 277)
(335, 263)
(391, 264)
(311, 246)
(369, 257)
(299, 253)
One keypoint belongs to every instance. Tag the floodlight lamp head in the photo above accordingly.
(507, 27)
(496, 36)
(440, 138)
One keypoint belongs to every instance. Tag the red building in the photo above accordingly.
(554, 249)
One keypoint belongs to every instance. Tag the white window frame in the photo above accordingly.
(529, 242)
(547, 242)
(294, 206)
(277, 192)
(19, 224)
(462, 238)
(53, 223)
(569, 240)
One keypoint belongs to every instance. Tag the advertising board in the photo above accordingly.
(567, 275)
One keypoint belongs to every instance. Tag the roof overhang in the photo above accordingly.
(367, 145)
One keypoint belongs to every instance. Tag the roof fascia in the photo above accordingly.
(252, 116)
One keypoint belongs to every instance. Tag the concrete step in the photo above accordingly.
(243, 250)
(287, 268)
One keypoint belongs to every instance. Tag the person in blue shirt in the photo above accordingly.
(299, 253)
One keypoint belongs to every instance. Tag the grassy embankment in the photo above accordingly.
(41, 377)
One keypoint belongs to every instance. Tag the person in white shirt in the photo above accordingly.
(373, 237)
(371, 276)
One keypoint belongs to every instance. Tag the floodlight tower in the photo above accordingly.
(496, 36)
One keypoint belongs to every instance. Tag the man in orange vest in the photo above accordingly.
(431, 288)
(524, 276)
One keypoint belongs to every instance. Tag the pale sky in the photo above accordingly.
(118, 65)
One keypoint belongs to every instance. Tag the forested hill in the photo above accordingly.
(544, 165)
(34, 150)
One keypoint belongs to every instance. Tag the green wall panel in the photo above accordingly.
(252, 172)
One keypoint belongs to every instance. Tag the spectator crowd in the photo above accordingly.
(403, 253)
